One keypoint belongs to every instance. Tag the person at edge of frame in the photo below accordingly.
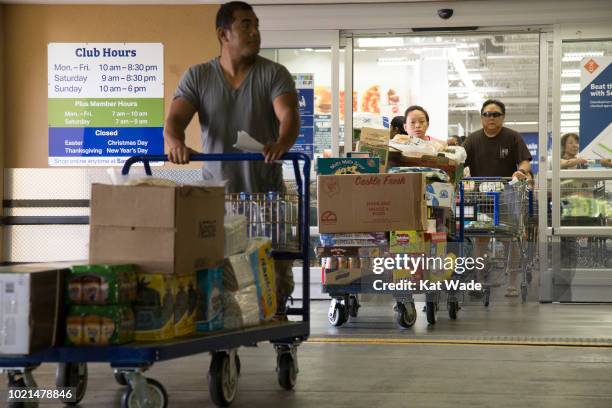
(239, 90)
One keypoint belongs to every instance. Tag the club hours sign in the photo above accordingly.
(106, 102)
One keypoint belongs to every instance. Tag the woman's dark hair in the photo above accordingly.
(398, 123)
(493, 102)
(416, 108)
(225, 15)
(564, 141)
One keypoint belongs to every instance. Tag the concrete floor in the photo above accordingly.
(369, 362)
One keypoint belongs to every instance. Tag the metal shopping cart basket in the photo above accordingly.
(495, 210)
(129, 361)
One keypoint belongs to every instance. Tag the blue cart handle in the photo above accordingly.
(295, 157)
(487, 178)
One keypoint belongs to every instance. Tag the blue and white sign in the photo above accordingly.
(105, 102)
(596, 108)
(304, 84)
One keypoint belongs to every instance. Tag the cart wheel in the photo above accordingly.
(120, 378)
(72, 375)
(287, 373)
(156, 396)
(337, 316)
(353, 306)
(405, 315)
(529, 276)
(524, 292)
(453, 308)
(487, 297)
(431, 312)
(222, 383)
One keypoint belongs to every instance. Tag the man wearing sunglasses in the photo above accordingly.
(495, 150)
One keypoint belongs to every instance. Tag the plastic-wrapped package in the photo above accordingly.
(456, 153)
(430, 172)
(235, 227)
(240, 309)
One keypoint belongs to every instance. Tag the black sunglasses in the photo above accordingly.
(492, 114)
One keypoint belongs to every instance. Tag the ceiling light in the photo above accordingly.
(521, 123)
(570, 123)
(570, 73)
(380, 42)
(570, 87)
(570, 108)
(569, 130)
(570, 98)
(570, 116)
(578, 56)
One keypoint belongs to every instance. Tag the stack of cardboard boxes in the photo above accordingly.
(365, 214)
(173, 234)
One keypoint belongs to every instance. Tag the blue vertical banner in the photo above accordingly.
(304, 84)
(531, 140)
(596, 108)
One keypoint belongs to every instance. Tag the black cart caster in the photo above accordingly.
(223, 377)
(151, 395)
(405, 314)
(453, 309)
(431, 309)
(353, 306)
(286, 366)
(486, 298)
(337, 313)
(72, 375)
(524, 292)
(21, 378)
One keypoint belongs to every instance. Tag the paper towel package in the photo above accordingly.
(235, 228)
(240, 308)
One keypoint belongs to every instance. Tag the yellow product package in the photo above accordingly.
(262, 264)
(185, 302)
(154, 307)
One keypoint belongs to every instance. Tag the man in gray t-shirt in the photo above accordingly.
(237, 91)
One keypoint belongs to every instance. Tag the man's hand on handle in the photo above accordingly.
(274, 151)
(180, 154)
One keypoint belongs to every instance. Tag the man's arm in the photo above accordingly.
(523, 170)
(181, 113)
(286, 111)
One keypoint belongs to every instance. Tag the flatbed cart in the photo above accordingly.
(496, 208)
(129, 361)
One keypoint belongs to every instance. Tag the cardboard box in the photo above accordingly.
(185, 304)
(101, 284)
(404, 242)
(342, 276)
(31, 310)
(379, 152)
(168, 230)
(440, 195)
(370, 203)
(210, 300)
(340, 165)
(93, 325)
(154, 307)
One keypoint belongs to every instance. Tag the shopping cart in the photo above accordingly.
(131, 360)
(496, 210)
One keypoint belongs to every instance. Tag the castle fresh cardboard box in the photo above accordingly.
(371, 202)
